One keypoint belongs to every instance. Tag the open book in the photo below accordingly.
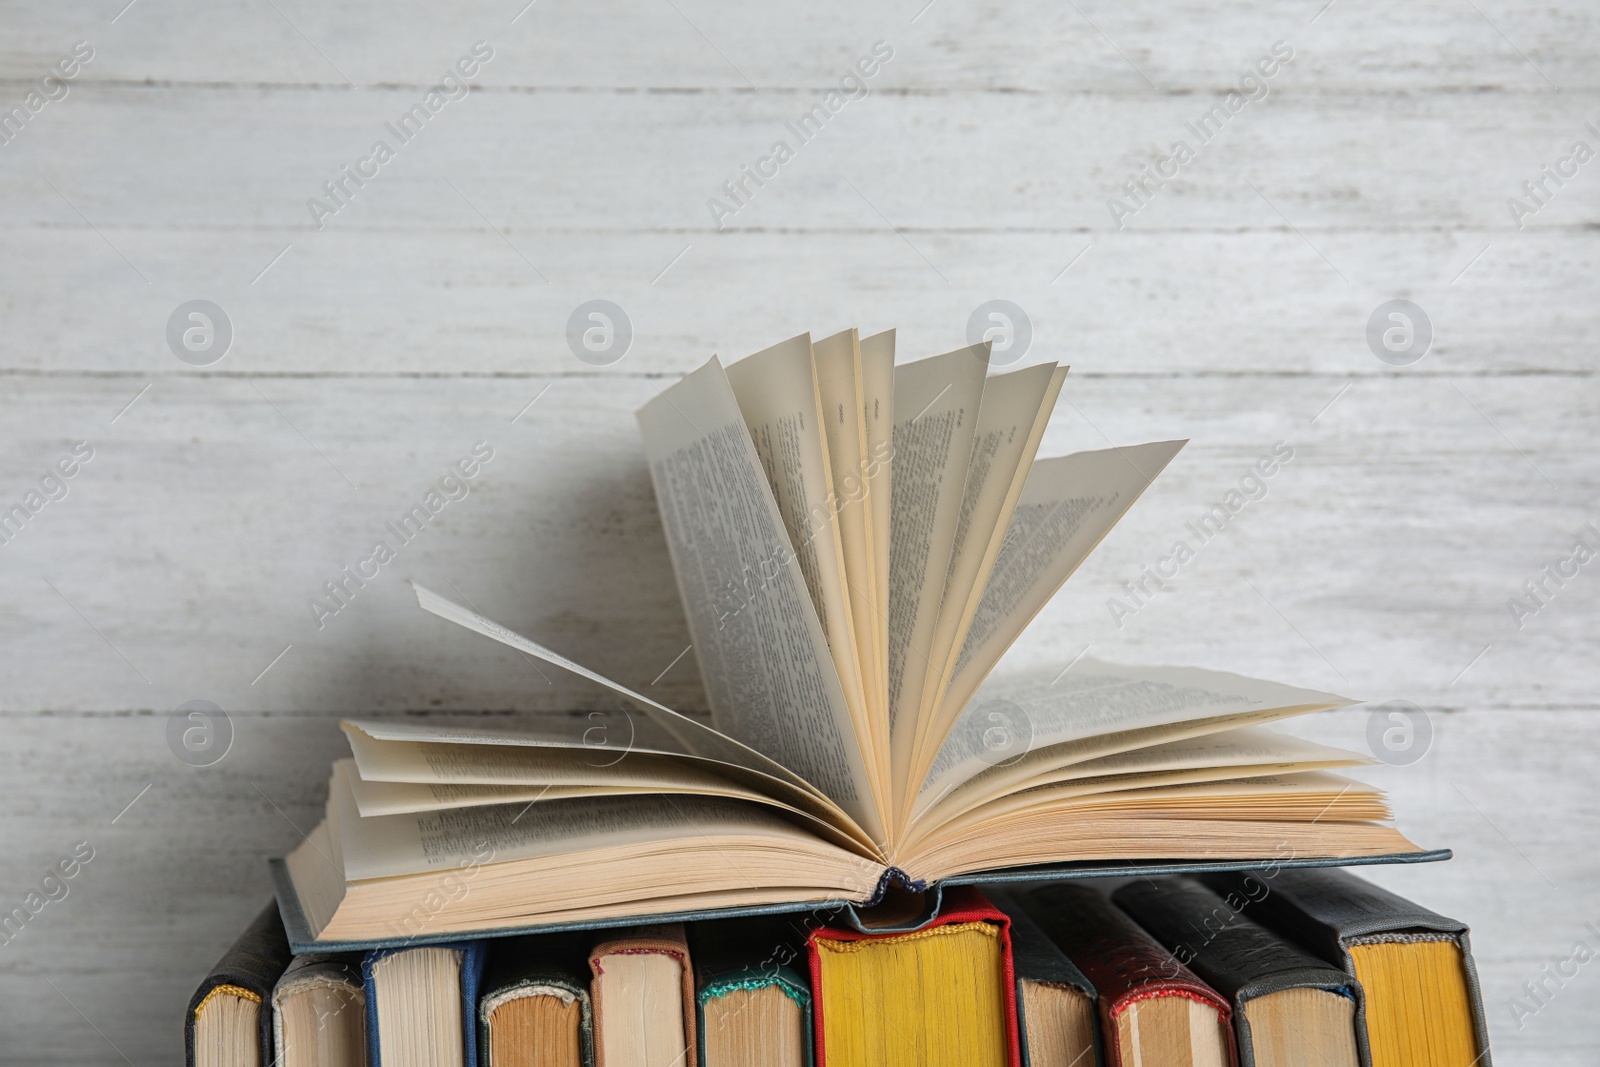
(856, 544)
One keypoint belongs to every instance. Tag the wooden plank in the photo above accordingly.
(172, 881)
(1209, 276)
(703, 46)
(449, 302)
(215, 509)
(1324, 160)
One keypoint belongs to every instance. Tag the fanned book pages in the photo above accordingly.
(856, 544)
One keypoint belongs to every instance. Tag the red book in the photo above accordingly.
(1153, 1009)
(953, 1000)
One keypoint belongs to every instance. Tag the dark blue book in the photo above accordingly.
(422, 1005)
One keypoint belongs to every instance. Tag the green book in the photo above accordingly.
(752, 997)
(1056, 1004)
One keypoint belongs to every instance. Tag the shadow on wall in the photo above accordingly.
(579, 564)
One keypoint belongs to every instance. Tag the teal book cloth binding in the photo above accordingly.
(538, 965)
(756, 952)
(1036, 958)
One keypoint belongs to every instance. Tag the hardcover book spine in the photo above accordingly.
(374, 1050)
(1325, 908)
(473, 954)
(251, 967)
(1238, 957)
(472, 957)
(1125, 964)
(1035, 958)
(962, 904)
(751, 953)
(1480, 1025)
(517, 966)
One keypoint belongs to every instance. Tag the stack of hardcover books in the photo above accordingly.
(856, 544)
(1277, 967)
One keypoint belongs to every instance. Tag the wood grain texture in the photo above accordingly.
(426, 315)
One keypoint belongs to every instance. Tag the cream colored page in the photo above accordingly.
(1205, 794)
(1008, 417)
(1011, 422)
(457, 756)
(1247, 746)
(1094, 698)
(1223, 751)
(594, 738)
(1311, 814)
(779, 396)
(1013, 765)
(383, 799)
(1120, 790)
(1066, 508)
(996, 535)
(877, 409)
(448, 763)
(1303, 783)
(405, 798)
(936, 405)
(763, 656)
(402, 798)
(396, 776)
(694, 737)
(839, 389)
(390, 845)
(315, 868)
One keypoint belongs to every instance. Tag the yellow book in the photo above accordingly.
(1421, 1006)
(940, 996)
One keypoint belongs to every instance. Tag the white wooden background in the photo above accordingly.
(430, 312)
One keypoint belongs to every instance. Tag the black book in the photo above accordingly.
(1418, 986)
(535, 1006)
(229, 1020)
(1289, 1006)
